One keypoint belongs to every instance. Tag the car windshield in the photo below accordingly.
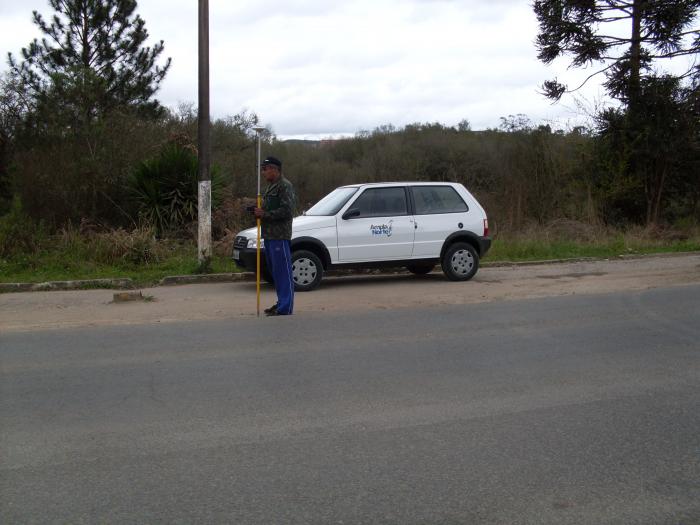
(331, 203)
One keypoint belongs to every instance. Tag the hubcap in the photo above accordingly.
(462, 262)
(304, 271)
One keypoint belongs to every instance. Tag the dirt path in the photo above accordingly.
(50, 310)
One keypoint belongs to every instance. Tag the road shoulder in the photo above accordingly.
(222, 300)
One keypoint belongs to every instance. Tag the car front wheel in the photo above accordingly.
(460, 262)
(307, 270)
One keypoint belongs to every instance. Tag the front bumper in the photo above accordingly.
(245, 257)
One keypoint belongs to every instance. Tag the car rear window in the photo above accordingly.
(437, 199)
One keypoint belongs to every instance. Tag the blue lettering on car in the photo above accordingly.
(381, 229)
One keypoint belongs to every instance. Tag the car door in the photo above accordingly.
(376, 226)
(439, 211)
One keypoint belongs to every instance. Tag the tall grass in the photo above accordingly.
(85, 252)
(572, 239)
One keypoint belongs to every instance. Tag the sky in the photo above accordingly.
(315, 68)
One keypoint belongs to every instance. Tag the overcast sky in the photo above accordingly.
(314, 68)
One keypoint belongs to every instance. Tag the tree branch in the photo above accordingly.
(591, 76)
(674, 54)
(615, 38)
(615, 18)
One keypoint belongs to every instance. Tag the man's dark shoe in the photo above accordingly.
(272, 308)
(274, 313)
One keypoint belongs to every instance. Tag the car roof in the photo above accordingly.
(400, 183)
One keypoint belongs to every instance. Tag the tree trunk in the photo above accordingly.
(658, 192)
(635, 54)
(649, 195)
(633, 97)
(591, 212)
(518, 208)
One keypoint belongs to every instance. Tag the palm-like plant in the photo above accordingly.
(165, 188)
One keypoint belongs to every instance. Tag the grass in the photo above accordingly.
(137, 255)
(61, 266)
(537, 249)
(29, 255)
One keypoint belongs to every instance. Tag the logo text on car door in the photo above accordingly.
(381, 229)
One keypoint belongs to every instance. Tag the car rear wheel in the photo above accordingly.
(307, 270)
(460, 262)
(420, 269)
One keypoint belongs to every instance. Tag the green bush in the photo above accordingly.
(165, 189)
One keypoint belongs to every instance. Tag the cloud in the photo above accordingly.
(17, 31)
(315, 67)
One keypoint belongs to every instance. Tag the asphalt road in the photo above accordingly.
(579, 409)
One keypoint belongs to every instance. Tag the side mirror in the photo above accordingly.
(352, 212)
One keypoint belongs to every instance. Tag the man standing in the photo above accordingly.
(276, 220)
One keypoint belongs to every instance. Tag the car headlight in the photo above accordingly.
(253, 243)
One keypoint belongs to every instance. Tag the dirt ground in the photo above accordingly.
(51, 310)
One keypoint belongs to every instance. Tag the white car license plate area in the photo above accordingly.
(236, 254)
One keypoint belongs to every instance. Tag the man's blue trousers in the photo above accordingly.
(279, 262)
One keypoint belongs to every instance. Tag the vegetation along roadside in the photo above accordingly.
(99, 179)
(76, 254)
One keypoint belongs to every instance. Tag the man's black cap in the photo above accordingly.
(272, 160)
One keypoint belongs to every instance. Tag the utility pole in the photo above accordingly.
(203, 144)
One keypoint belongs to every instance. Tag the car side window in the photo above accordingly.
(437, 199)
(381, 202)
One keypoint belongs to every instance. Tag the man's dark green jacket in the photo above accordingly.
(279, 203)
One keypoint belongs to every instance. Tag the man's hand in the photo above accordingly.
(258, 212)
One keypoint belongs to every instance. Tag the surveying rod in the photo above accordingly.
(258, 130)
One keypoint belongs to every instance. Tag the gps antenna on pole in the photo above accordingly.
(258, 130)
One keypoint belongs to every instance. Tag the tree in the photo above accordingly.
(91, 60)
(12, 109)
(515, 123)
(642, 136)
(464, 125)
(651, 153)
(88, 77)
(659, 29)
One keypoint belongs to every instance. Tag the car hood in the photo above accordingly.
(308, 222)
(299, 224)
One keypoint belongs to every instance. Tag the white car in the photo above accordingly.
(411, 224)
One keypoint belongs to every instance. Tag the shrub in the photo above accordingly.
(19, 234)
(166, 187)
(137, 247)
(227, 220)
(66, 174)
(119, 246)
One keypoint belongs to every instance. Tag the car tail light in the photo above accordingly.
(486, 227)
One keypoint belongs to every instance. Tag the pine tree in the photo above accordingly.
(658, 30)
(644, 135)
(91, 60)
